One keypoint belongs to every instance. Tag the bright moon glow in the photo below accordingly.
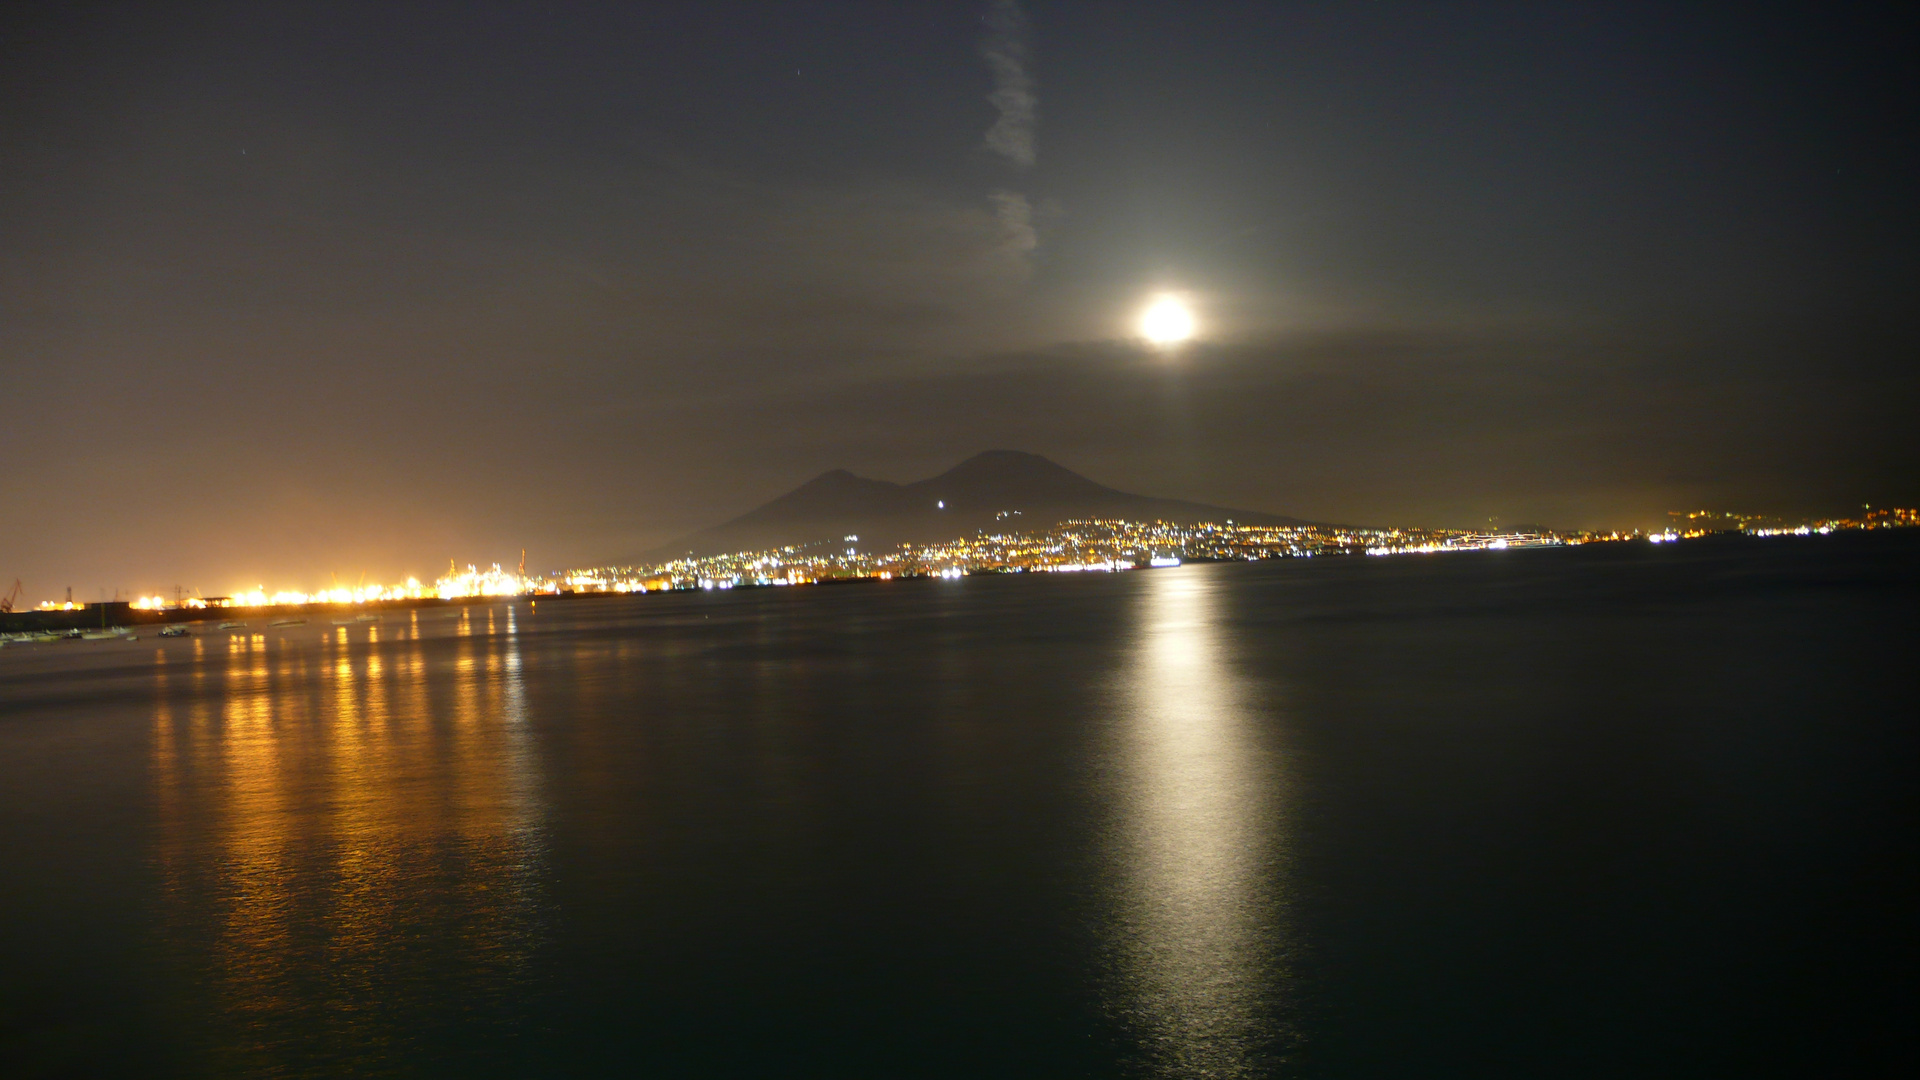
(1166, 322)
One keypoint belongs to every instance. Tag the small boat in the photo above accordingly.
(366, 618)
(175, 630)
(112, 633)
(232, 626)
(288, 622)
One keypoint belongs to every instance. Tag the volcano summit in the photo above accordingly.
(999, 490)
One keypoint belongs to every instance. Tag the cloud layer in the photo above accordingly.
(1007, 51)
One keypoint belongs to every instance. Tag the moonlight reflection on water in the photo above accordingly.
(1196, 845)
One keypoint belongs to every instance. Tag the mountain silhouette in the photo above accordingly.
(996, 491)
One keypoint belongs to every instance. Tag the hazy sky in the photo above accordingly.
(288, 292)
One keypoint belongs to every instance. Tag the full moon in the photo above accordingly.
(1166, 321)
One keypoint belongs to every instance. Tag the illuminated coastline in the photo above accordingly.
(1070, 547)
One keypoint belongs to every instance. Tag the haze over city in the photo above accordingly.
(293, 291)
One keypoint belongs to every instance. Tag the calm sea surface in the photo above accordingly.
(1611, 811)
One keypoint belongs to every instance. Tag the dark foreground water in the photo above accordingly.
(1611, 811)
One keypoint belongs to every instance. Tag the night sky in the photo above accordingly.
(288, 292)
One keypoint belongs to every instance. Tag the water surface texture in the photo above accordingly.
(1589, 812)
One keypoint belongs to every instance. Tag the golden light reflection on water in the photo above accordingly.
(1199, 955)
(353, 835)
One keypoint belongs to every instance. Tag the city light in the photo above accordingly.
(1081, 546)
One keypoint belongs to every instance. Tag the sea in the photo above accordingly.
(1599, 811)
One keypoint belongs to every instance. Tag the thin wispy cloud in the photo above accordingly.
(1007, 50)
(1016, 220)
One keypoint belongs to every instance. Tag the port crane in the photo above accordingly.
(6, 602)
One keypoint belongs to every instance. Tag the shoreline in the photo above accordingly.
(123, 614)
